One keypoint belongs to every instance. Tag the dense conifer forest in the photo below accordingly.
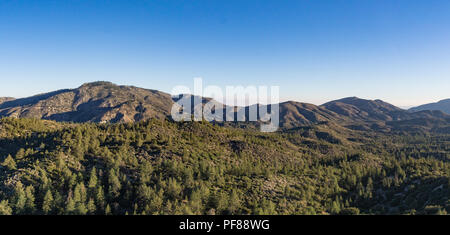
(159, 167)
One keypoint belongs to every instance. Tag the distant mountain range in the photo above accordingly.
(443, 105)
(106, 102)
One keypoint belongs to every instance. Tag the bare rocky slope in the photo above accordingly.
(92, 102)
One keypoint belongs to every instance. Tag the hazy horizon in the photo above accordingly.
(316, 51)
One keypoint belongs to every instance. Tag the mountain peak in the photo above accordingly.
(99, 101)
(349, 98)
(355, 107)
(98, 83)
(357, 100)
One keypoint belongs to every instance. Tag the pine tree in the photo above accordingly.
(91, 208)
(100, 197)
(20, 197)
(5, 209)
(9, 163)
(234, 202)
(108, 210)
(93, 180)
(29, 204)
(47, 204)
(335, 207)
(70, 206)
(81, 209)
(80, 194)
(114, 184)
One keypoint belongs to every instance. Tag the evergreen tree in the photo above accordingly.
(114, 184)
(91, 208)
(20, 198)
(108, 210)
(29, 204)
(70, 206)
(5, 209)
(92, 185)
(47, 204)
(9, 163)
(234, 202)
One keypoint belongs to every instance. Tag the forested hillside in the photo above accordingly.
(163, 167)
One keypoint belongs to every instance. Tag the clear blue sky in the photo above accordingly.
(395, 50)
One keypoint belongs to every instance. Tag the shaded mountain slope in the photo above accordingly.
(361, 114)
(356, 108)
(443, 105)
(299, 114)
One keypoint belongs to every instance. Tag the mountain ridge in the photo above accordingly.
(442, 105)
(91, 102)
(103, 101)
